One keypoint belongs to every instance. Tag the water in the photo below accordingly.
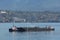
(6, 35)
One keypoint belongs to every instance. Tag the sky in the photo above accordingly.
(30, 5)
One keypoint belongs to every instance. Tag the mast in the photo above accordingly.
(13, 22)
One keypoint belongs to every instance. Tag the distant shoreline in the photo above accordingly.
(7, 16)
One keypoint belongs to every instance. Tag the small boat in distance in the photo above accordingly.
(31, 29)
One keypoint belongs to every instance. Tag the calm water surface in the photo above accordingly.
(6, 35)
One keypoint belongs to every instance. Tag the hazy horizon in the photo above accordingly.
(30, 5)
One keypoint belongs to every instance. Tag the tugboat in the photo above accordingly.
(30, 29)
(14, 29)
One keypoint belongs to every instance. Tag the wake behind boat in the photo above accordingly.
(30, 29)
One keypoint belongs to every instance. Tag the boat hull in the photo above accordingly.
(34, 29)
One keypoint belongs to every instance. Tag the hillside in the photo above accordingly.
(26, 16)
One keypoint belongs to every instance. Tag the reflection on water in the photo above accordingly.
(33, 35)
(46, 35)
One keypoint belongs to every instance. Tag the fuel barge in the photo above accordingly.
(30, 29)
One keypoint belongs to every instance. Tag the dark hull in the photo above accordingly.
(31, 29)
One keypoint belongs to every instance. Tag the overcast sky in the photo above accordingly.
(30, 5)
